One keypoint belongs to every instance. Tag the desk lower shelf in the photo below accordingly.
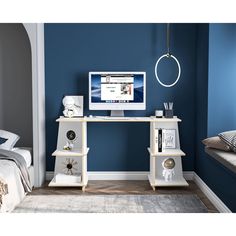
(53, 183)
(179, 181)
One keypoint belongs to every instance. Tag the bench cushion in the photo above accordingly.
(228, 159)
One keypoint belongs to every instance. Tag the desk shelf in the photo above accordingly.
(53, 183)
(64, 153)
(159, 182)
(167, 153)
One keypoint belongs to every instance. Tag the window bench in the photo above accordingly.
(228, 159)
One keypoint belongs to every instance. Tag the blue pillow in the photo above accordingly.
(3, 140)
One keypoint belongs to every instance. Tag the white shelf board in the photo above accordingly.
(67, 119)
(53, 183)
(179, 181)
(167, 152)
(174, 119)
(65, 153)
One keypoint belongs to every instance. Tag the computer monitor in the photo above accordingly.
(117, 91)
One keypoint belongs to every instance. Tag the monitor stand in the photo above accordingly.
(117, 113)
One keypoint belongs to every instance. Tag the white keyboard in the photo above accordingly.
(114, 118)
(120, 118)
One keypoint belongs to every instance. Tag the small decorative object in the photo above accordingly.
(159, 113)
(168, 109)
(71, 137)
(168, 169)
(70, 166)
(168, 138)
(73, 106)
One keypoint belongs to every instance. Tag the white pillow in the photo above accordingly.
(11, 139)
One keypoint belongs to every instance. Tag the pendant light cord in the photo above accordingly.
(168, 39)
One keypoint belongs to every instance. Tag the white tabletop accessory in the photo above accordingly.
(73, 106)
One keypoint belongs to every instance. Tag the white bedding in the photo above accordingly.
(26, 154)
(11, 174)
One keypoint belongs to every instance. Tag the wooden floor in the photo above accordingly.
(124, 187)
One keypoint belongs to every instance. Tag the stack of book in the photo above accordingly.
(164, 139)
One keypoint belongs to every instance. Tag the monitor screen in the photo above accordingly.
(117, 90)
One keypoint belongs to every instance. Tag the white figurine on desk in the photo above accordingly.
(69, 146)
(73, 106)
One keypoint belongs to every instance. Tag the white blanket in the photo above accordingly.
(25, 153)
(11, 174)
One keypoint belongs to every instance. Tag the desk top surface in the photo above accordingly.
(117, 119)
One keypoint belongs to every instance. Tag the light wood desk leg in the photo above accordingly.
(153, 188)
(83, 188)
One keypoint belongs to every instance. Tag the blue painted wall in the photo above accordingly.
(216, 110)
(72, 50)
(221, 103)
(201, 95)
(222, 78)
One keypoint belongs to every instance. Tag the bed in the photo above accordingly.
(16, 177)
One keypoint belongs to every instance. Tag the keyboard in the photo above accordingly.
(113, 118)
(120, 118)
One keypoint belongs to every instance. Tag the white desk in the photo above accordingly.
(79, 125)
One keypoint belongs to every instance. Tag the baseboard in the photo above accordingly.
(219, 205)
(120, 175)
(110, 175)
(49, 175)
(188, 175)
